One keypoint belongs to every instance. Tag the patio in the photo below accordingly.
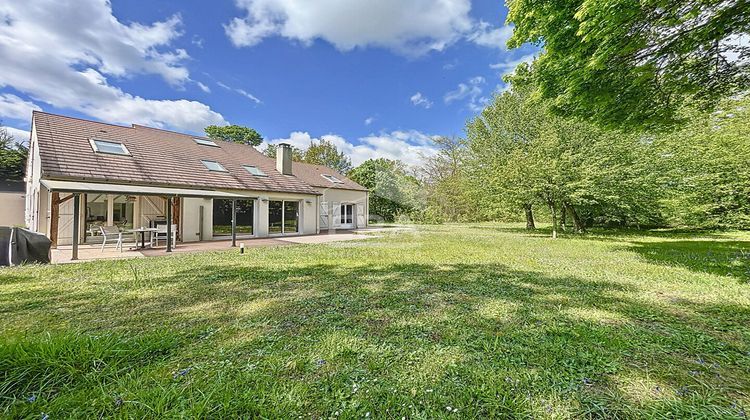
(91, 252)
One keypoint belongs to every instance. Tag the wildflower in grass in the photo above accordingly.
(182, 372)
(45, 416)
(31, 399)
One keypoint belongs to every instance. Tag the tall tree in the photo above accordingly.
(444, 184)
(298, 155)
(391, 188)
(327, 154)
(12, 157)
(234, 133)
(634, 64)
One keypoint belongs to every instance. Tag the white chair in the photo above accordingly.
(111, 233)
(161, 234)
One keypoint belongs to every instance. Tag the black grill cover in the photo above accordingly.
(22, 246)
(4, 246)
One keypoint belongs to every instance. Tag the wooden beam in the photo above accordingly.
(76, 225)
(54, 218)
(169, 224)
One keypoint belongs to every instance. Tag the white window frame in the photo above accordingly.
(261, 173)
(332, 178)
(205, 142)
(95, 147)
(223, 169)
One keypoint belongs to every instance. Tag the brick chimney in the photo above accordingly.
(284, 158)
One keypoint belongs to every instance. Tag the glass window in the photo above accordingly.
(222, 217)
(291, 216)
(346, 214)
(275, 217)
(254, 170)
(283, 217)
(332, 179)
(213, 166)
(205, 142)
(111, 147)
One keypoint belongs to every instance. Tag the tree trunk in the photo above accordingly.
(563, 218)
(529, 217)
(553, 211)
(579, 227)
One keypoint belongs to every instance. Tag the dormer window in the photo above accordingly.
(254, 170)
(109, 147)
(332, 179)
(213, 166)
(205, 142)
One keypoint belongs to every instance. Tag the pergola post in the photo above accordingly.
(76, 223)
(169, 224)
(234, 223)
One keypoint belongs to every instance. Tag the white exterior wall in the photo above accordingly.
(12, 209)
(35, 208)
(333, 198)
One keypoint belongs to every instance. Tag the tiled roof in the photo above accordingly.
(160, 157)
(313, 175)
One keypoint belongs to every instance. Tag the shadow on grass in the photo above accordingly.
(723, 258)
(393, 340)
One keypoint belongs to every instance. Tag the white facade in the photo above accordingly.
(12, 209)
(334, 204)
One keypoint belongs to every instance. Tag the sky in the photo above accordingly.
(377, 78)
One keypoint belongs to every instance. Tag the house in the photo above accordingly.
(12, 195)
(82, 175)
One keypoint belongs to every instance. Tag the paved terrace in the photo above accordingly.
(93, 252)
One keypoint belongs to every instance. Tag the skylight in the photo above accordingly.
(205, 142)
(254, 170)
(332, 179)
(213, 166)
(109, 147)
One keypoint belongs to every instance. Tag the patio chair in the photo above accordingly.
(161, 234)
(111, 234)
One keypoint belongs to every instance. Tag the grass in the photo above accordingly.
(448, 321)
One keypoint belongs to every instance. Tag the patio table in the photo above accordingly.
(142, 231)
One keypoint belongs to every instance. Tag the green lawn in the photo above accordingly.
(446, 321)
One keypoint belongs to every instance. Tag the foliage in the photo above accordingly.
(443, 183)
(298, 155)
(392, 190)
(234, 133)
(703, 168)
(634, 64)
(483, 319)
(327, 154)
(12, 157)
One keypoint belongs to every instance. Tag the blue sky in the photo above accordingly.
(376, 78)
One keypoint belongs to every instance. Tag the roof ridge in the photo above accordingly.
(77, 118)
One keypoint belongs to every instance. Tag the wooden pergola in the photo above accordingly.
(76, 189)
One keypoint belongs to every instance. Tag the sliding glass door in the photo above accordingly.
(222, 217)
(283, 217)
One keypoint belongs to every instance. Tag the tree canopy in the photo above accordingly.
(634, 64)
(327, 154)
(234, 133)
(12, 157)
(392, 190)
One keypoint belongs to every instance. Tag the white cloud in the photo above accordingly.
(203, 87)
(487, 36)
(509, 66)
(369, 120)
(471, 91)
(21, 136)
(64, 54)
(409, 27)
(407, 146)
(242, 92)
(420, 100)
(11, 106)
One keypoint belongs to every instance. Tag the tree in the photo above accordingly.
(234, 133)
(12, 157)
(325, 153)
(391, 188)
(444, 184)
(634, 64)
(298, 155)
